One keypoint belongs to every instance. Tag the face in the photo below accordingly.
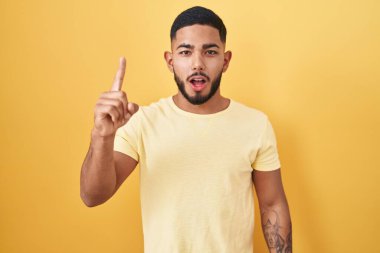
(198, 61)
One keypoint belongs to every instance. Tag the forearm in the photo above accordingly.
(98, 175)
(277, 227)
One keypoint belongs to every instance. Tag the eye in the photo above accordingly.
(185, 52)
(211, 52)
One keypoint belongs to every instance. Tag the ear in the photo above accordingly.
(169, 60)
(227, 59)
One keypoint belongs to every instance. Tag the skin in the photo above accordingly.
(198, 48)
(195, 48)
(104, 170)
(274, 210)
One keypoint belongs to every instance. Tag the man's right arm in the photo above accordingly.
(103, 169)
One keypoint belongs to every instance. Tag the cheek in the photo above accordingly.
(180, 66)
(216, 64)
(181, 69)
(181, 62)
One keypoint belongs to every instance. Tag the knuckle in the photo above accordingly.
(118, 104)
(120, 94)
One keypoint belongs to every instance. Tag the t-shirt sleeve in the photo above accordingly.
(127, 137)
(267, 158)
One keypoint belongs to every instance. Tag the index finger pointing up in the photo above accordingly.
(118, 81)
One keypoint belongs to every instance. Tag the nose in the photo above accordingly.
(197, 63)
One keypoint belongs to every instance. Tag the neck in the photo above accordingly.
(215, 104)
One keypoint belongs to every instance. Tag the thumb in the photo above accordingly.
(132, 108)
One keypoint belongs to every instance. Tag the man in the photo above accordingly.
(199, 153)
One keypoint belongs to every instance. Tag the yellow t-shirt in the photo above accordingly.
(195, 175)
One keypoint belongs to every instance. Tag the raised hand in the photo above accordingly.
(112, 110)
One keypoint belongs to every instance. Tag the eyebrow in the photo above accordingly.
(204, 46)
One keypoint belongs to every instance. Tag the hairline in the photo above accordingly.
(220, 37)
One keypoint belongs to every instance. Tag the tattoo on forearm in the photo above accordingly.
(288, 249)
(272, 235)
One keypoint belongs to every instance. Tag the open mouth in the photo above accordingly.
(198, 80)
(198, 84)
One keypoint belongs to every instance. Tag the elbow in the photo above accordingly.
(90, 201)
(94, 196)
(274, 203)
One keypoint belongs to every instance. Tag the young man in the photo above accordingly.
(199, 153)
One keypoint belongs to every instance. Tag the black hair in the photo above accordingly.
(198, 15)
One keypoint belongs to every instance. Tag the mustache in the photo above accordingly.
(199, 74)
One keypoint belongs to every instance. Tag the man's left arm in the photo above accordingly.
(274, 210)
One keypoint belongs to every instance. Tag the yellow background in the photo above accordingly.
(312, 66)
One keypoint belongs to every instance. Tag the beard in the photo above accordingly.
(198, 99)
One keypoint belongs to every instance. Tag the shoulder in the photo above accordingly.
(153, 111)
(242, 111)
(146, 117)
(154, 108)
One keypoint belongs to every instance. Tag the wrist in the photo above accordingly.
(98, 136)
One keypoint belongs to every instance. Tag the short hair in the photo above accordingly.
(198, 15)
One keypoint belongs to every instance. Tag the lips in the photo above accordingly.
(198, 82)
(197, 79)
